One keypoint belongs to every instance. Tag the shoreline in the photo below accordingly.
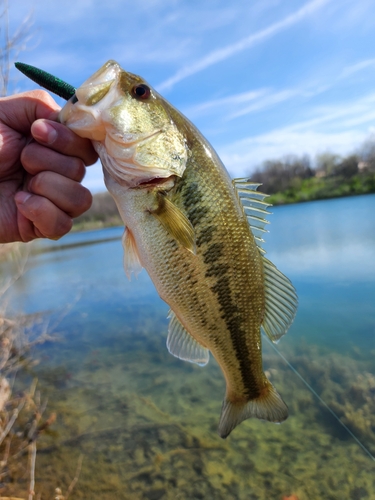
(115, 221)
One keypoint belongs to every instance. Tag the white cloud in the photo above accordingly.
(355, 68)
(236, 99)
(266, 102)
(245, 43)
(266, 98)
(243, 156)
(341, 115)
(340, 128)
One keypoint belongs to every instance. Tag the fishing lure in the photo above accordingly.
(46, 80)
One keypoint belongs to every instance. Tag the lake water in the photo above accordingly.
(146, 422)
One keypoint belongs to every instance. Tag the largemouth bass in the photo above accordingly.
(195, 231)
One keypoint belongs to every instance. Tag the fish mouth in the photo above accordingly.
(164, 182)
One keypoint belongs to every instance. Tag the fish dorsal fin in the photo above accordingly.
(182, 345)
(254, 206)
(281, 302)
(132, 263)
(175, 222)
(280, 294)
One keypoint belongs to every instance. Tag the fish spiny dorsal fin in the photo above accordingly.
(281, 302)
(182, 345)
(132, 263)
(280, 294)
(254, 207)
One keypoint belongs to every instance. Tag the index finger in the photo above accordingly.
(59, 138)
(19, 111)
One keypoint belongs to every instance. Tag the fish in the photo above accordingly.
(197, 232)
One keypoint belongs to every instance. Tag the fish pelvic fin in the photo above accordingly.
(268, 406)
(182, 345)
(132, 262)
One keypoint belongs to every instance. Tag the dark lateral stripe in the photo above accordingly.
(205, 235)
(230, 314)
(217, 267)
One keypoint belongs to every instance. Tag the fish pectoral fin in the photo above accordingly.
(175, 222)
(132, 263)
(182, 345)
(281, 302)
(268, 406)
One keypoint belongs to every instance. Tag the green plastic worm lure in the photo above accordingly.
(46, 80)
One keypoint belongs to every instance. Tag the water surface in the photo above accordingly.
(146, 422)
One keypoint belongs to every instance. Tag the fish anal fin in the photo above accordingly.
(268, 406)
(175, 222)
(182, 345)
(132, 263)
(281, 302)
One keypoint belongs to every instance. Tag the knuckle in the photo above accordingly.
(37, 208)
(58, 227)
(91, 155)
(62, 227)
(25, 155)
(78, 169)
(41, 95)
(84, 201)
(38, 183)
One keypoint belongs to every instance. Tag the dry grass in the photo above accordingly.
(23, 415)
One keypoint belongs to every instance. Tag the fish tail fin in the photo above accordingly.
(268, 406)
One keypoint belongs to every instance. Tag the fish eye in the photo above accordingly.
(74, 99)
(141, 91)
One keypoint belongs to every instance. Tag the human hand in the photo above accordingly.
(40, 181)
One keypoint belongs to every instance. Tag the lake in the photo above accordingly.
(145, 422)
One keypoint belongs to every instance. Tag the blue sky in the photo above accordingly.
(260, 78)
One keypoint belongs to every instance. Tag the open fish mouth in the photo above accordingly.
(166, 182)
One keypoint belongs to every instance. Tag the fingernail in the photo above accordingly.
(43, 132)
(21, 197)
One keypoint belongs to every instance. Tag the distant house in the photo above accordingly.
(363, 165)
(320, 173)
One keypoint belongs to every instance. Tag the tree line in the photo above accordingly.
(299, 178)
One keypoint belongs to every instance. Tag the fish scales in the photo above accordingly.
(210, 296)
(188, 228)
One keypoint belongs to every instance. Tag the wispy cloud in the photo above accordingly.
(244, 156)
(235, 106)
(340, 129)
(230, 101)
(245, 43)
(341, 115)
(355, 68)
(267, 101)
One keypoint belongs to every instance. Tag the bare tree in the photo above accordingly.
(11, 44)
